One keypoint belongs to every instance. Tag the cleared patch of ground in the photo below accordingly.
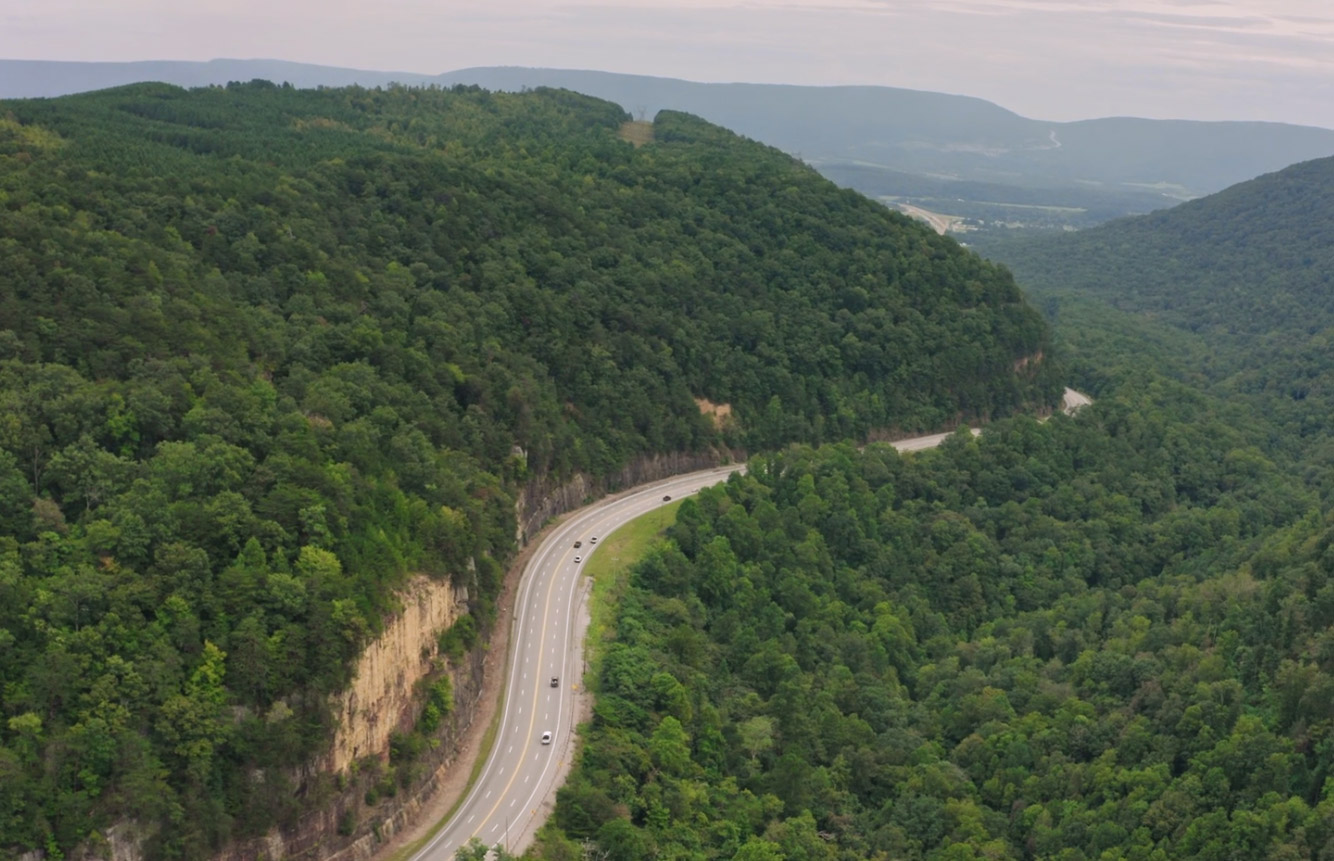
(721, 414)
(637, 132)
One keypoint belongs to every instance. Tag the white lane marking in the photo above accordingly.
(644, 501)
(527, 778)
(488, 794)
(510, 749)
(471, 818)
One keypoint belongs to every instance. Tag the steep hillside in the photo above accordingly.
(1253, 258)
(264, 353)
(1246, 275)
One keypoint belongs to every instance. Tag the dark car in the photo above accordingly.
(555, 681)
(667, 498)
(578, 544)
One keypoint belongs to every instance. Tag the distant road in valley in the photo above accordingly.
(939, 222)
(517, 786)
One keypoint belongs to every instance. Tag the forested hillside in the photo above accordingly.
(263, 352)
(1105, 636)
(1245, 276)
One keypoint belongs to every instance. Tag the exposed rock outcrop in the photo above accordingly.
(541, 500)
(380, 699)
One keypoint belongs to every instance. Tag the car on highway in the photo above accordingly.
(593, 540)
(555, 681)
(546, 737)
(667, 498)
(578, 544)
(578, 559)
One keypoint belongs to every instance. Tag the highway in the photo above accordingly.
(502, 807)
(510, 798)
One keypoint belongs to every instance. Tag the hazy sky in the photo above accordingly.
(1049, 59)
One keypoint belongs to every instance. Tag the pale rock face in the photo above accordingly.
(379, 698)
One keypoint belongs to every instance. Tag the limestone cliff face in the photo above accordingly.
(380, 699)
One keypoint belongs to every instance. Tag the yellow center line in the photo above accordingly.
(532, 721)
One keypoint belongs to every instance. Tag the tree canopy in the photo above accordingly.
(264, 352)
(1099, 637)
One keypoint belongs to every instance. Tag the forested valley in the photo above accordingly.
(266, 352)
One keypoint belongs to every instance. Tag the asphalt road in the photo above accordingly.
(523, 772)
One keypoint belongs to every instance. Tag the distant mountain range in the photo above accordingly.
(957, 155)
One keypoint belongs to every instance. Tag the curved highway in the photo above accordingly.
(522, 769)
(525, 765)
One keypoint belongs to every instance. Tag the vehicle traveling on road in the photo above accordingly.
(546, 737)
(555, 681)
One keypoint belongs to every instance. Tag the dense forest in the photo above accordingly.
(1241, 283)
(1106, 636)
(263, 352)
(1100, 637)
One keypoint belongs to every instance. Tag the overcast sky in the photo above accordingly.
(1047, 59)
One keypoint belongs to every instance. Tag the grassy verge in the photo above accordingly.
(609, 568)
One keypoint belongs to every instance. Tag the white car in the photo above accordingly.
(546, 737)
(578, 559)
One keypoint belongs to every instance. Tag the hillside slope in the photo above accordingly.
(265, 352)
(1246, 276)
(1247, 260)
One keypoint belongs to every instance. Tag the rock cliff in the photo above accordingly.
(341, 824)
(380, 699)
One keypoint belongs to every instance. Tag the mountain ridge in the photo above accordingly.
(1110, 165)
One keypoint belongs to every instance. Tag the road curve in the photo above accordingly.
(502, 808)
(521, 770)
